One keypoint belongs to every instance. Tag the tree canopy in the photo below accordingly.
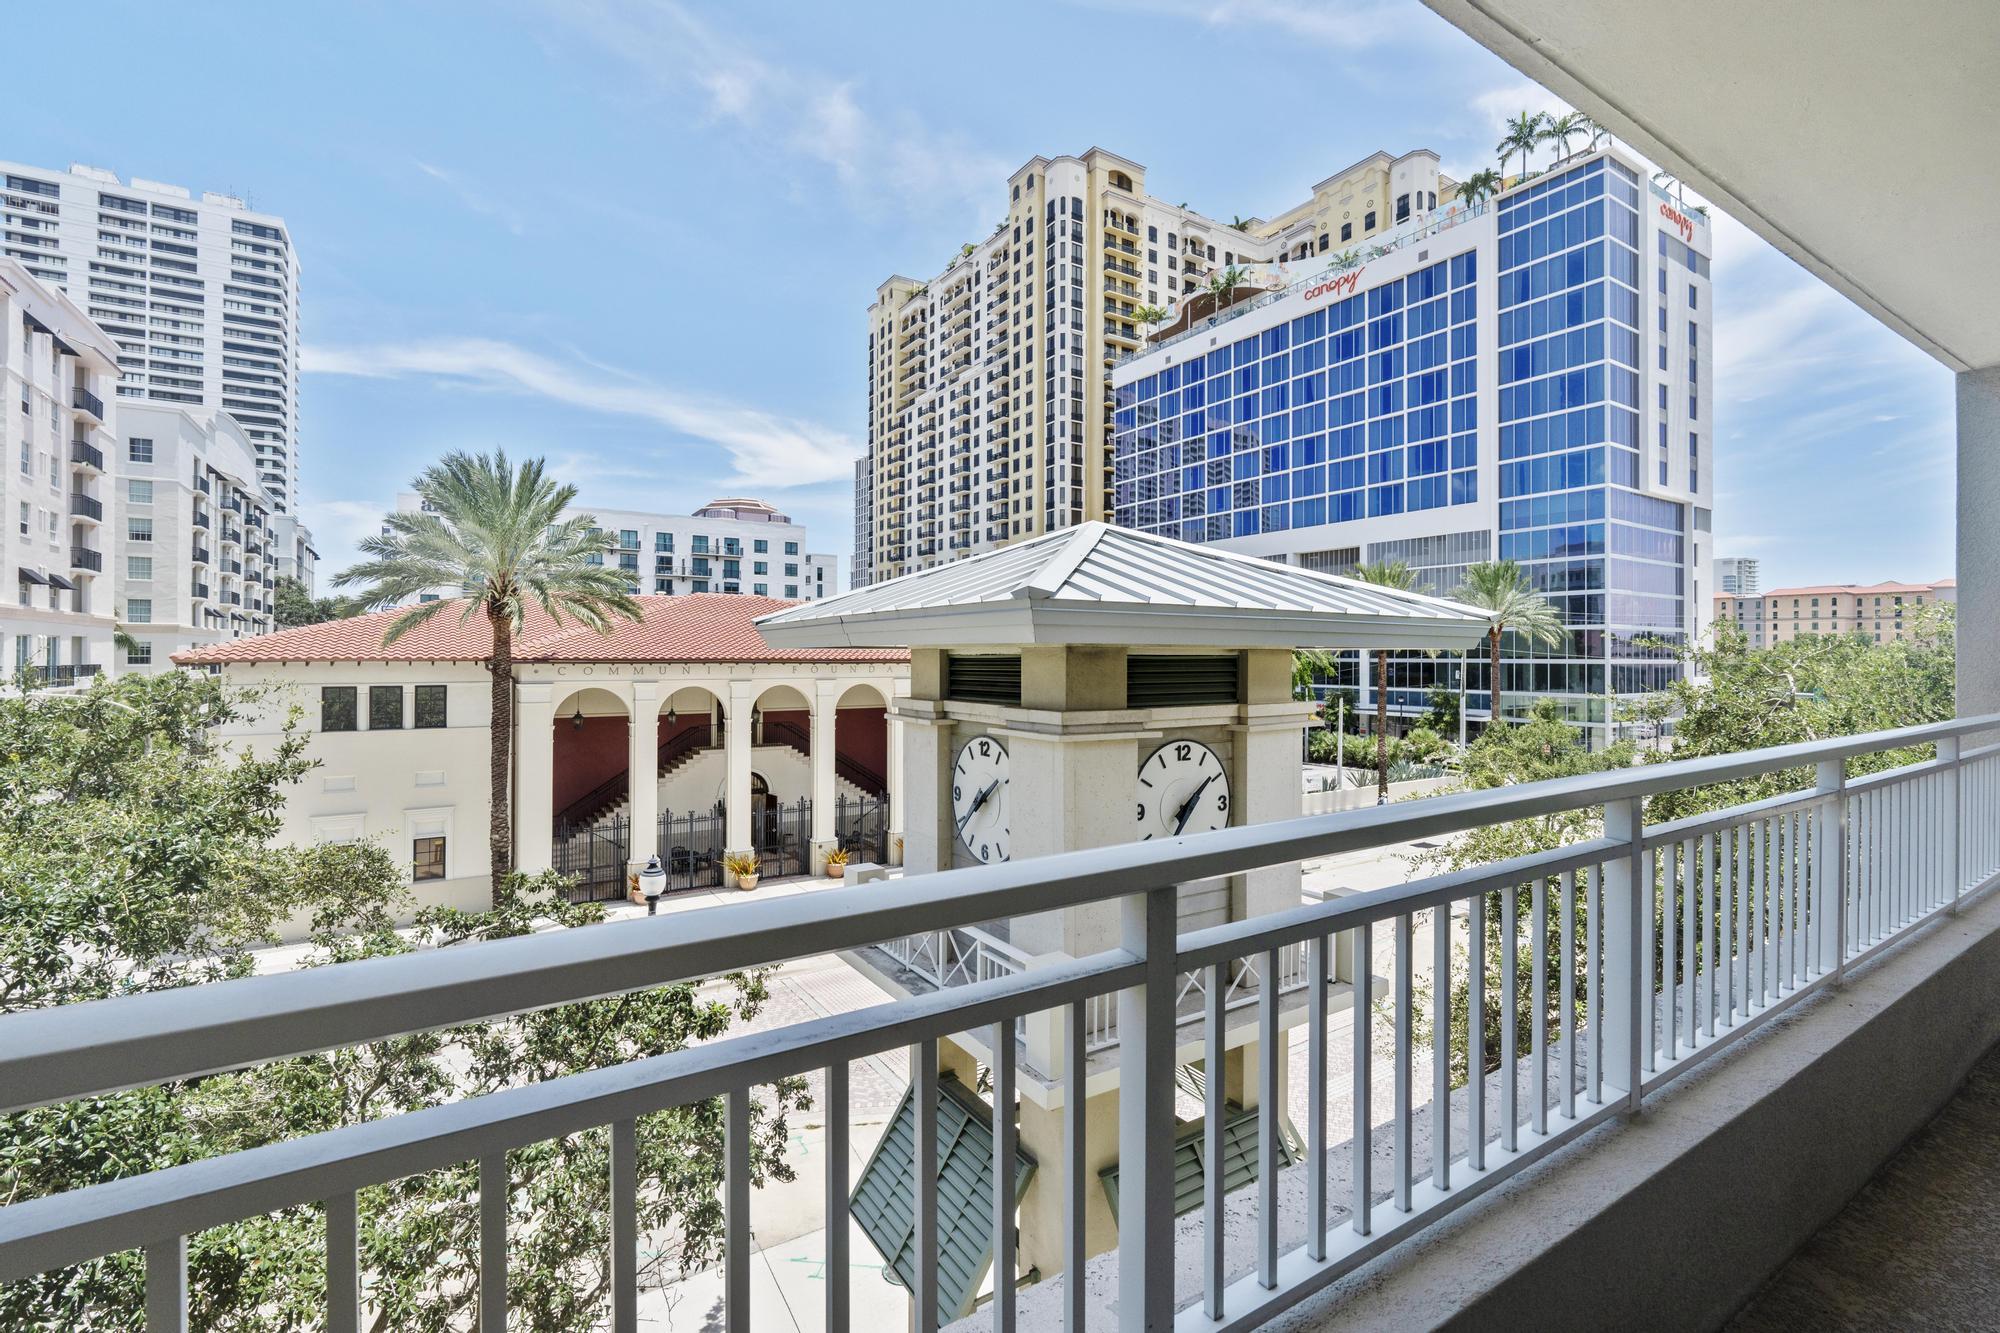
(136, 854)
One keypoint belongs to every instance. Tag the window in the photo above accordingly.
(1368, 222)
(430, 706)
(427, 858)
(336, 706)
(791, 571)
(385, 707)
(139, 567)
(628, 539)
(791, 590)
(760, 546)
(663, 541)
(139, 610)
(139, 653)
(1347, 231)
(791, 548)
(139, 451)
(761, 589)
(139, 492)
(139, 529)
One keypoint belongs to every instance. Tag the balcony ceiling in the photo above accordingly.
(1856, 136)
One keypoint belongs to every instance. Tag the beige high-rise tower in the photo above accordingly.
(988, 404)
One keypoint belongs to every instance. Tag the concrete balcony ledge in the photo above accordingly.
(1675, 1218)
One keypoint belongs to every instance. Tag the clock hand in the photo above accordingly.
(1186, 811)
(977, 801)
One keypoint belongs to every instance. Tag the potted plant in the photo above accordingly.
(836, 862)
(743, 866)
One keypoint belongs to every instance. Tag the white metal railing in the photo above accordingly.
(1664, 945)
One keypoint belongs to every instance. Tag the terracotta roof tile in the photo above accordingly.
(699, 627)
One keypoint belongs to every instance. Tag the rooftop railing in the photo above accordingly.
(1664, 945)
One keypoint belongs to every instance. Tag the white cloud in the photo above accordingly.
(765, 450)
(881, 159)
(473, 199)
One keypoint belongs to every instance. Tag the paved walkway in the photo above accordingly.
(1919, 1247)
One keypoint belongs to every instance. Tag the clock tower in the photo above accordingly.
(1091, 687)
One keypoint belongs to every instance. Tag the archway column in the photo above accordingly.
(893, 691)
(642, 770)
(534, 777)
(825, 706)
(736, 756)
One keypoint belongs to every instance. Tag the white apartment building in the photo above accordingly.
(293, 556)
(1736, 575)
(57, 483)
(732, 544)
(200, 293)
(864, 525)
(197, 558)
(989, 404)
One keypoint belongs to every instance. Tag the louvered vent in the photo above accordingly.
(1161, 682)
(983, 679)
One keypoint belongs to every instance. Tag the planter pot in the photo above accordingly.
(836, 872)
(746, 882)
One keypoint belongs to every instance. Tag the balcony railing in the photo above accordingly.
(83, 506)
(1672, 943)
(83, 400)
(83, 557)
(85, 454)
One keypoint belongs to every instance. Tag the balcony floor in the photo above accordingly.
(1917, 1247)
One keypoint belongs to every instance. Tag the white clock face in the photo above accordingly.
(979, 798)
(1183, 788)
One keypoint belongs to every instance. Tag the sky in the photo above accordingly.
(639, 237)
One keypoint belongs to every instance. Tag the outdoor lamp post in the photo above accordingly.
(652, 882)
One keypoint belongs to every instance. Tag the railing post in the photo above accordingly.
(1627, 897)
(1146, 1015)
(1954, 824)
(1830, 870)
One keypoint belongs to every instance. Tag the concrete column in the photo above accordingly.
(1978, 544)
(642, 766)
(535, 776)
(893, 775)
(736, 748)
(826, 699)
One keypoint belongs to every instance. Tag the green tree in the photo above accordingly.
(1734, 697)
(136, 854)
(499, 533)
(1480, 186)
(1441, 714)
(292, 605)
(1559, 130)
(1345, 260)
(1384, 574)
(1523, 135)
(1502, 591)
(1228, 280)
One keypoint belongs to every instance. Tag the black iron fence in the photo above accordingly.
(781, 836)
(862, 827)
(594, 856)
(690, 847)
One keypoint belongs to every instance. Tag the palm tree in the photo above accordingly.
(1150, 314)
(1499, 588)
(1225, 282)
(498, 534)
(1524, 135)
(1477, 188)
(1592, 128)
(1346, 260)
(1559, 130)
(1384, 574)
(1238, 221)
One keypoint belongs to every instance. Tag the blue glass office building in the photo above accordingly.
(1522, 381)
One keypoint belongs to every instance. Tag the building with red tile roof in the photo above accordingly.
(702, 627)
(742, 746)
